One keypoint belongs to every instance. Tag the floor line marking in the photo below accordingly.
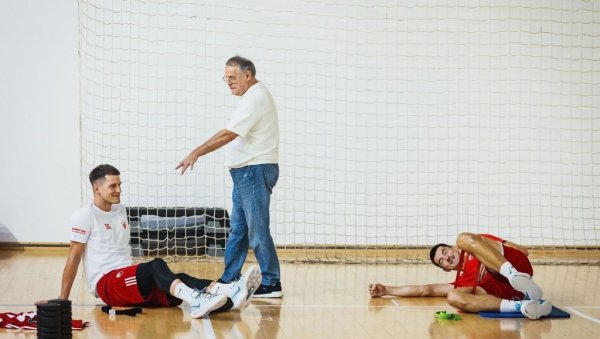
(594, 307)
(209, 331)
(351, 306)
(583, 315)
(278, 305)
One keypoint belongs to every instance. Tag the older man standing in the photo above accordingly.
(252, 153)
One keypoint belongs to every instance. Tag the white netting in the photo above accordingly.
(402, 123)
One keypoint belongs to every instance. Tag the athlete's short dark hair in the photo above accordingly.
(101, 171)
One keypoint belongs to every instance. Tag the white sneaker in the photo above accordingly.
(535, 309)
(204, 303)
(240, 291)
(522, 282)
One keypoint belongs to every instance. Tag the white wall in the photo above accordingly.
(39, 119)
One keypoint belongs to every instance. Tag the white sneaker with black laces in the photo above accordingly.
(535, 309)
(522, 282)
(240, 291)
(203, 303)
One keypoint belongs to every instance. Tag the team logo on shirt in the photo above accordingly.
(77, 230)
(124, 224)
(120, 274)
(107, 226)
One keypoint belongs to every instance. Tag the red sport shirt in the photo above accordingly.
(472, 274)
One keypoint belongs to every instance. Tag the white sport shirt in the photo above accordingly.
(257, 126)
(106, 235)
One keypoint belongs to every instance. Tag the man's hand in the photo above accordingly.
(377, 290)
(220, 139)
(189, 161)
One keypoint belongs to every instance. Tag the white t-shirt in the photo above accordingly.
(106, 235)
(257, 126)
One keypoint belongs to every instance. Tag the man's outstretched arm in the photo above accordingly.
(70, 271)
(220, 139)
(428, 290)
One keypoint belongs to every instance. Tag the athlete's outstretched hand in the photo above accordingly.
(377, 290)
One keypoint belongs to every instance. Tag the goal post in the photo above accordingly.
(402, 123)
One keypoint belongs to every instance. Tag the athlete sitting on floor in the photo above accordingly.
(100, 235)
(493, 275)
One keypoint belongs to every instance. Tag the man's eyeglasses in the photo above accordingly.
(230, 79)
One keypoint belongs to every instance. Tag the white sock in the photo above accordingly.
(183, 292)
(506, 269)
(215, 289)
(221, 289)
(508, 306)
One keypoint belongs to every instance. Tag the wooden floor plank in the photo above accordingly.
(321, 301)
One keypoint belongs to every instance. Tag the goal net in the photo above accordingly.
(402, 123)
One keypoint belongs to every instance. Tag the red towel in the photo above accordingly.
(28, 321)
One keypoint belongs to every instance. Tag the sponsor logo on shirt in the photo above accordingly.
(107, 226)
(77, 230)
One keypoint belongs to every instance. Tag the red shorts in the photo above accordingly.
(497, 285)
(119, 288)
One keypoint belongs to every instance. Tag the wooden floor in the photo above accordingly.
(321, 301)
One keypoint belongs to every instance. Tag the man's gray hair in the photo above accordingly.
(243, 64)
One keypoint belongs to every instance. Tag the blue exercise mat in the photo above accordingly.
(556, 313)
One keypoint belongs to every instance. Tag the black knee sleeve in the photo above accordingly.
(154, 273)
(192, 282)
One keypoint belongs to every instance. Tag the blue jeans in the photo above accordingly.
(252, 187)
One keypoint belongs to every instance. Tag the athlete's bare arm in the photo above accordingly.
(70, 271)
(428, 290)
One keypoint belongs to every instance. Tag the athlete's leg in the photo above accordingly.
(154, 273)
(241, 290)
(157, 273)
(462, 299)
(203, 285)
(532, 309)
(193, 282)
(490, 256)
